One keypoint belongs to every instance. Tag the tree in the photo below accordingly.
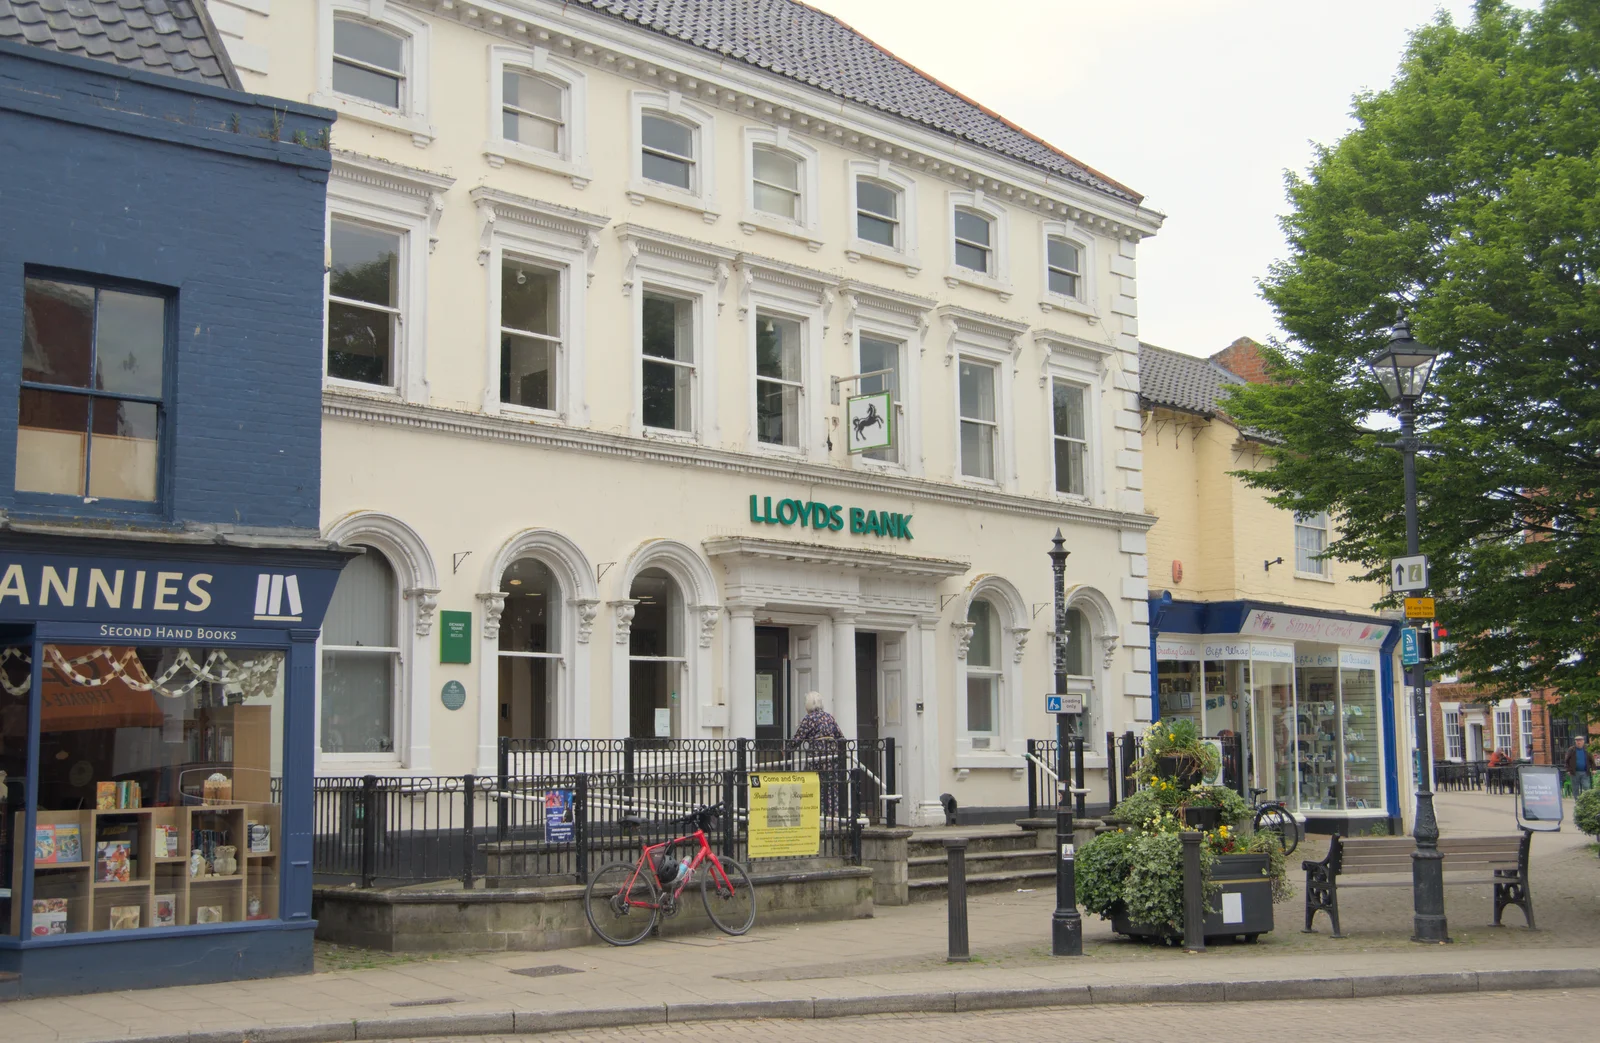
(1469, 194)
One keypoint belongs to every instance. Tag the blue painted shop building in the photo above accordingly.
(162, 580)
(1310, 693)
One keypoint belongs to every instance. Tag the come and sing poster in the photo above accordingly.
(785, 814)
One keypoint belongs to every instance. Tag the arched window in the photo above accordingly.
(974, 240)
(775, 182)
(983, 675)
(369, 63)
(656, 656)
(1077, 643)
(361, 659)
(667, 151)
(530, 650)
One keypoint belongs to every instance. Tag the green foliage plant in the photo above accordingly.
(1586, 812)
(1177, 741)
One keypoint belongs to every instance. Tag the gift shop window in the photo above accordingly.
(158, 771)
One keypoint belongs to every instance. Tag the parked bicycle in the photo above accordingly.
(625, 900)
(1273, 816)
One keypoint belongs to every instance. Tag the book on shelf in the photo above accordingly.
(113, 861)
(166, 838)
(105, 796)
(260, 838)
(125, 917)
(44, 845)
(208, 914)
(165, 910)
(49, 916)
(69, 843)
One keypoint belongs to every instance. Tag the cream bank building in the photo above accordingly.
(602, 279)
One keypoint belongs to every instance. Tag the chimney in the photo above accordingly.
(1243, 358)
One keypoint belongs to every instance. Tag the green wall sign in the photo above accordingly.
(833, 517)
(453, 695)
(455, 637)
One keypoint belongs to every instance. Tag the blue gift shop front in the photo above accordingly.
(1311, 695)
(162, 577)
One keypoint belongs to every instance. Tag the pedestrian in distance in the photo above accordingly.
(820, 733)
(1579, 765)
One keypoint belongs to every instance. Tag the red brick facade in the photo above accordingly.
(1243, 358)
(1549, 745)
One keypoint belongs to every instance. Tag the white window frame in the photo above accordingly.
(1084, 303)
(998, 279)
(550, 236)
(416, 600)
(1524, 729)
(1085, 363)
(1455, 744)
(1502, 727)
(676, 267)
(798, 294)
(1327, 538)
(702, 195)
(886, 315)
(1009, 737)
(856, 248)
(984, 338)
(693, 303)
(412, 116)
(405, 201)
(573, 161)
(806, 228)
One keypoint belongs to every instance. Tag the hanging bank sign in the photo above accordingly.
(822, 516)
(162, 593)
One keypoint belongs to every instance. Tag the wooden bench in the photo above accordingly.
(1386, 862)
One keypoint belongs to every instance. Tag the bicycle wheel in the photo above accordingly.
(1279, 821)
(620, 905)
(731, 908)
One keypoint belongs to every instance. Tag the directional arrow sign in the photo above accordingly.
(1409, 573)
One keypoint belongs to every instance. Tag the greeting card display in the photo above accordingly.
(49, 916)
(113, 861)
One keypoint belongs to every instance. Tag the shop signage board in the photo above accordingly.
(785, 815)
(1539, 807)
(455, 637)
(1410, 655)
(1292, 626)
(870, 421)
(1419, 608)
(1409, 573)
(812, 514)
(1177, 648)
(1054, 703)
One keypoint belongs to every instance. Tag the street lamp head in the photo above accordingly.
(1405, 365)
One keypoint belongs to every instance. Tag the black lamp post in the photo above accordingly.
(1066, 925)
(1404, 368)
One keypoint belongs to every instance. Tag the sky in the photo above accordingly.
(1201, 105)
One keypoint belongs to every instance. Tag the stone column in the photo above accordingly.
(844, 670)
(741, 671)
(926, 809)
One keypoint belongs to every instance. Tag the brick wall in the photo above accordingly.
(120, 174)
(1243, 358)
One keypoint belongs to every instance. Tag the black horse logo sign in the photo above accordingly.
(868, 420)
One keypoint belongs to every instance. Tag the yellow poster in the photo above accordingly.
(785, 819)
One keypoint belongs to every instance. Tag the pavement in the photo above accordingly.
(892, 963)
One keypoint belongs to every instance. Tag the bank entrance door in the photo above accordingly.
(772, 683)
(868, 721)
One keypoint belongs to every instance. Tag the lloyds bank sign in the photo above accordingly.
(833, 517)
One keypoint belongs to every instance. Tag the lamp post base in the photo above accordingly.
(1066, 934)
(1429, 926)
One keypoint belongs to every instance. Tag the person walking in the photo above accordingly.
(820, 733)
(1579, 765)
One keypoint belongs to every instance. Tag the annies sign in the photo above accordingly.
(75, 588)
(820, 516)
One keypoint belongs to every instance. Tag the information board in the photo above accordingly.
(1540, 804)
(558, 824)
(785, 815)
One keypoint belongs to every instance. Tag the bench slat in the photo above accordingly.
(1406, 882)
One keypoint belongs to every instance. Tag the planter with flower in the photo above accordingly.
(1133, 875)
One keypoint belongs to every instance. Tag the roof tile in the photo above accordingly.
(1179, 381)
(164, 35)
(812, 47)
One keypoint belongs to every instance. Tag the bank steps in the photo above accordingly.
(999, 858)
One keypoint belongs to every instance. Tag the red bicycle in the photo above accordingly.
(625, 900)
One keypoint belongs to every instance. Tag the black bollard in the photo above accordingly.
(956, 850)
(1194, 905)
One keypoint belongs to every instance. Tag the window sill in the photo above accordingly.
(1314, 577)
(512, 411)
(640, 190)
(754, 222)
(1051, 302)
(384, 392)
(989, 760)
(499, 153)
(977, 483)
(956, 276)
(862, 249)
(785, 452)
(422, 134)
(669, 434)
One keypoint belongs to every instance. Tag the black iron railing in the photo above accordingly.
(379, 830)
(1122, 755)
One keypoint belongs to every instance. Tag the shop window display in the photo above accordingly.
(1358, 707)
(1178, 690)
(156, 805)
(1317, 737)
(1274, 746)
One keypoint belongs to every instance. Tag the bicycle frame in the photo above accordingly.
(646, 863)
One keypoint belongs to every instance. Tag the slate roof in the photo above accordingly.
(801, 43)
(174, 37)
(1179, 381)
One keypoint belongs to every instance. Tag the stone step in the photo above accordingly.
(930, 867)
(1018, 840)
(984, 883)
